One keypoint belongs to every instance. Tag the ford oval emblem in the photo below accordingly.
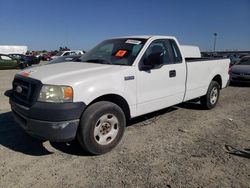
(19, 89)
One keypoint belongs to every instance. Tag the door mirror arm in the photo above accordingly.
(144, 67)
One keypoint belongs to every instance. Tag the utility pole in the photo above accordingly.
(215, 35)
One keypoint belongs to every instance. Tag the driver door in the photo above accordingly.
(163, 84)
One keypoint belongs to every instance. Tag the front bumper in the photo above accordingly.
(49, 121)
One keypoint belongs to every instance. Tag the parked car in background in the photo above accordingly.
(45, 56)
(233, 59)
(65, 59)
(7, 49)
(6, 62)
(243, 55)
(28, 60)
(240, 72)
(66, 53)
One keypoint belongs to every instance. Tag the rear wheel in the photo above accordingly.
(21, 65)
(210, 100)
(101, 127)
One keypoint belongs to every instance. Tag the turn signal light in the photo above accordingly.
(68, 92)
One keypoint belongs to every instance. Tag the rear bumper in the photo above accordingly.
(49, 121)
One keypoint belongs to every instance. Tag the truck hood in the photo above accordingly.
(66, 71)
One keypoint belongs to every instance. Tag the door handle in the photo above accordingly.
(172, 73)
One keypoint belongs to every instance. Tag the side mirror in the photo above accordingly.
(155, 58)
(151, 61)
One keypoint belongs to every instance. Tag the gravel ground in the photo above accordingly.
(182, 146)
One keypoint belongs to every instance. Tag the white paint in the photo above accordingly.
(189, 51)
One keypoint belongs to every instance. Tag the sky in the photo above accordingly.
(81, 24)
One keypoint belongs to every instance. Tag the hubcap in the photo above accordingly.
(214, 95)
(106, 129)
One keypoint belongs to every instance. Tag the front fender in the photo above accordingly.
(91, 90)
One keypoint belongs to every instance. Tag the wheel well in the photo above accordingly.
(118, 100)
(218, 79)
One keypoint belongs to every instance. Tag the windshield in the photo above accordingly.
(60, 53)
(244, 61)
(115, 51)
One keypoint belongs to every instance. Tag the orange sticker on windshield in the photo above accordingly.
(120, 53)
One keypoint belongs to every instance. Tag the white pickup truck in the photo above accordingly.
(119, 79)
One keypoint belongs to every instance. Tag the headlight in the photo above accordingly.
(56, 94)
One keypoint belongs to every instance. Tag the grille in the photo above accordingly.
(25, 90)
(238, 73)
(241, 79)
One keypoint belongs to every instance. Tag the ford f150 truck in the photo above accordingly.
(119, 79)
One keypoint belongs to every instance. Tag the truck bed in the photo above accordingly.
(200, 72)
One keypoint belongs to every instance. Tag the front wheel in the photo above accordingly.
(210, 100)
(21, 66)
(101, 127)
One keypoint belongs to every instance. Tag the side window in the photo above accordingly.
(175, 52)
(159, 49)
(5, 58)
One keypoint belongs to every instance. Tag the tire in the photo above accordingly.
(101, 127)
(210, 100)
(21, 66)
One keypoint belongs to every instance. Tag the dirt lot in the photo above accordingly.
(182, 146)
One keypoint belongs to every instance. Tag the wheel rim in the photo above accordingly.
(106, 129)
(214, 95)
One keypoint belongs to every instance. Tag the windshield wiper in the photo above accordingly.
(101, 61)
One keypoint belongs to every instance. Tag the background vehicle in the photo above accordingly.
(66, 53)
(28, 60)
(240, 72)
(8, 49)
(119, 79)
(45, 56)
(6, 62)
(234, 59)
(62, 59)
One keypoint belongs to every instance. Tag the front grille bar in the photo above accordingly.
(30, 87)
